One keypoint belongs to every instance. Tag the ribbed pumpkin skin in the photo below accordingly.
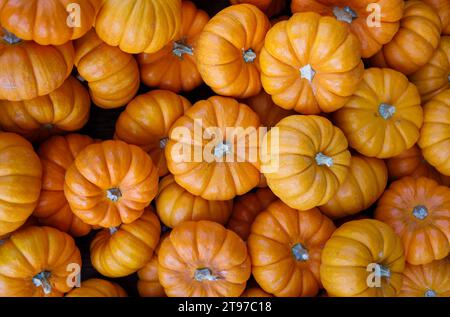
(441, 7)
(418, 210)
(269, 7)
(97, 288)
(255, 292)
(349, 251)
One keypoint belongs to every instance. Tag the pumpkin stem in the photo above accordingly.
(163, 143)
(114, 194)
(430, 293)
(386, 111)
(382, 271)
(300, 252)
(322, 159)
(113, 230)
(205, 274)
(10, 38)
(80, 78)
(47, 126)
(41, 279)
(420, 212)
(222, 149)
(249, 56)
(345, 14)
(307, 72)
(448, 78)
(180, 48)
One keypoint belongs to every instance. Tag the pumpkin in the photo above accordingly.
(47, 22)
(31, 221)
(442, 7)
(310, 78)
(415, 42)
(360, 17)
(121, 251)
(228, 50)
(57, 154)
(203, 259)
(110, 183)
(255, 292)
(37, 261)
(228, 164)
(65, 109)
(246, 208)
(146, 122)
(175, 205)
(269, 7)
(285, 246)
(363, 258)
(112, 75)
(364, 184)
(427, 280)
(30, 70)
(20, 181)
(174, 67)
(96, 287)
(383, 117)
(419, 211)
(126, 23)
(305, 160)
(435, 134)
(433, 78)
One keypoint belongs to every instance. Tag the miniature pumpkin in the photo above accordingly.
(110, 183)
(419, 211)
(37, 261)
(311, 78)
(383, 117)
(255, 292)
(363, 258)
(442, 7)
(203, 259)
(228, 50)
(285, 246)
(146, 122)
(269, 7)
(112, 75)
(95, 287)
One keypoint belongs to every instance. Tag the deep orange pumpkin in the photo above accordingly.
(442, 7)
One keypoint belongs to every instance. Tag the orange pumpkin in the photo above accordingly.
(97, 288)
(30, 70)
(269, 7)
(121, 251)
(110, 183)
(38, 262)
(442, 8)
(311, 78)
(255, 292)
(363, 258)
(174, 67)
(418, 210)
(285, 246)
(64, 109)
(228, 50)
(415, 42)
(20, 181)
(112, 75)
(146, 122)
(56, 155)
(383, 117)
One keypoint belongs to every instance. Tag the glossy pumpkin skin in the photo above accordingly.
(435, 133)
(414, 43)
(124, 23)
(372, 38)
(121, 251)
(46, 22)
(56, 155)
(146, 122)
(174, 67)
(65, 109)
(246, 208)
(228, 51)
(364, 184)
(296, 73)
(344, 271)
(255, 292)
(30, 252)
(30, 70)
(203, 259)
(383, 117)
(213, 176)
(20, 181)
(441, 7)
(110, 183)
(269, 7)
(112, 75)
(428, 280)
(418, 210)
(96, 287)
(285, 246)
(310, 163)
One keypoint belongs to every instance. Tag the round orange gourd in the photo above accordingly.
(269, 7)
(110, 183)
(37, 261)
(363, 258)
(95, 287)
(228, 50)
(311, 63)
(383, 117)
(441, 7)
(112, 75)
(146, 122)
(419, 211)
(255, 292)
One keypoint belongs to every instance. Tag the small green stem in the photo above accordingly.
(114, 194)
(42, 279)
(163, 143)
(300, 253)
(180, 48)
(249, 56)
(205, 274)
(420, 212)
(307, 72)
(322, 159)
(386, 111)
(10, 38)
(346, 14)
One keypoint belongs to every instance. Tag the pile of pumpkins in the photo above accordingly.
(359, 94)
